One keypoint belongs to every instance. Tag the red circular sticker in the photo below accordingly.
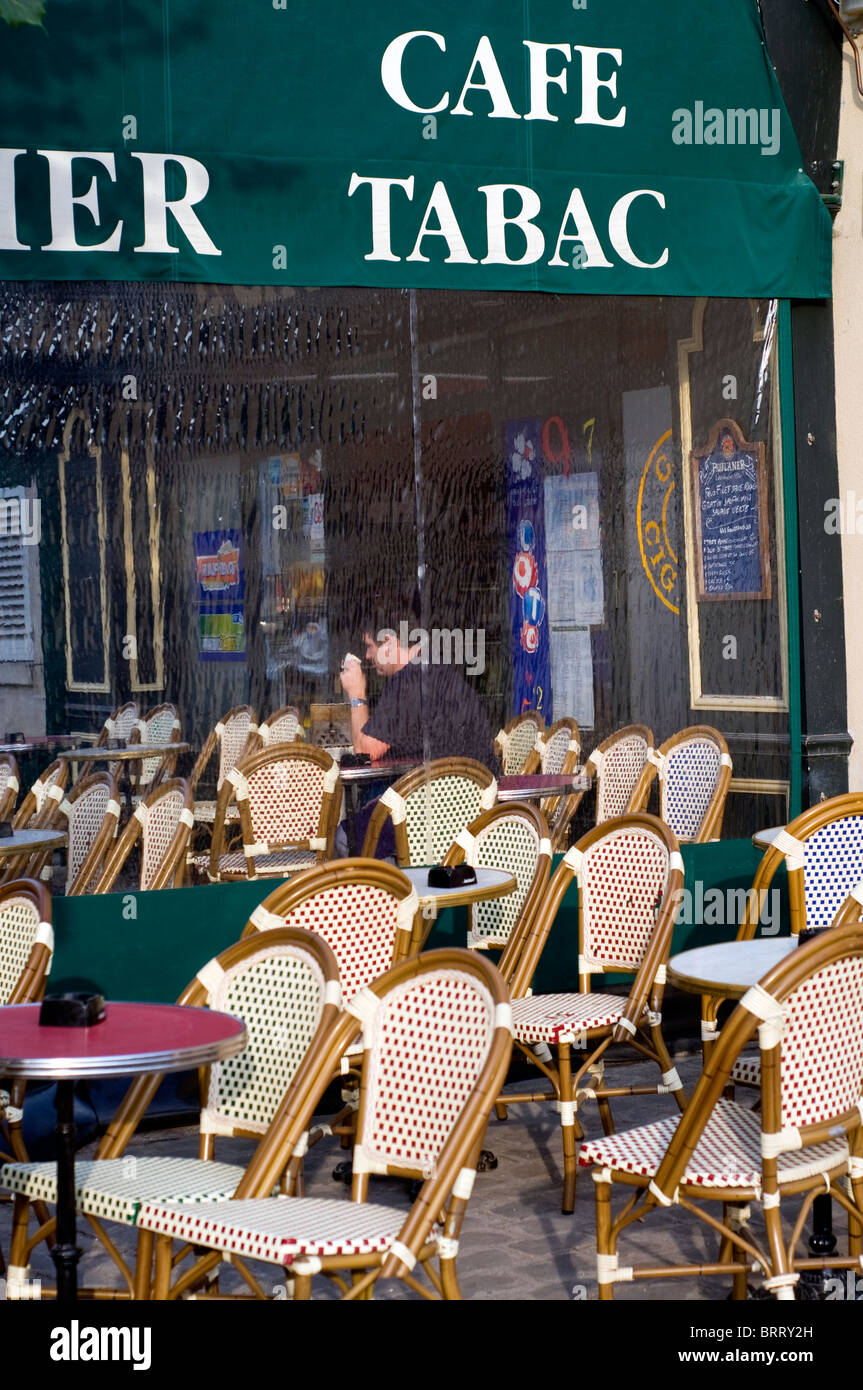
(529, 637)
(524, 573)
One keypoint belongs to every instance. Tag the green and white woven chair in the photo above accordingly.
(429, 806)
(285, 726)
(284, 985)
(234, 736)
(517, 740)
(515, 838)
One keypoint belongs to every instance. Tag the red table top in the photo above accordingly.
(132, 1038)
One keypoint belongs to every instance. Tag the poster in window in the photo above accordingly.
(220, 595)
(732, 544)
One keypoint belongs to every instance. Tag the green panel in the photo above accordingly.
(578, 150)
(153, 955)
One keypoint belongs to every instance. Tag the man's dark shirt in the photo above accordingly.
(428, 712)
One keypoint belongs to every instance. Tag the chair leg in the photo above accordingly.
(566, 1102)
(162, 1277)
(449, 1281)
(19, 1256)
(604, 1243)
(605, 1115)
(143, 1266)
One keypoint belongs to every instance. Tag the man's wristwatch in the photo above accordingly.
(356, 702)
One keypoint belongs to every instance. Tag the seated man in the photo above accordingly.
(426, 711)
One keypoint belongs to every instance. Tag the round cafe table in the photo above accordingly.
(490, 883)
(131, 1040)
(29, 841)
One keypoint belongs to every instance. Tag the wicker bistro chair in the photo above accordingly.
(516, 741)
(26, 951)
(90, 816)
(694, 769)
(234, 737)
(40, 808)
(614, 767)
(163, 822)
(285, 986)
(429, 806)
(512, 837)
(436, 1045)
(630, 878)
(285, 726)
(288, 798)
(557, 750)
(8, 785)
(807, 1011)
(822, 851)
(158, 725)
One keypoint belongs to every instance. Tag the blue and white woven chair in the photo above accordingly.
(694, 770)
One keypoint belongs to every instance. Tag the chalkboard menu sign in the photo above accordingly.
(729, 481)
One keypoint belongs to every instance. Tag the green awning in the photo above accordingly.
(640, 147)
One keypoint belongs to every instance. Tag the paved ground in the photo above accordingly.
(516, 1244)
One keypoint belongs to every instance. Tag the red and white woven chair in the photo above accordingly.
(436, 1045)
(285, 987)
(157, 726)
(630, 879)
(615, 768)
(26, 951)
(517, 740)
(234, 737)
(163, 822)
(429, 806)
(288, 799)
(694, 769)
(285, 726)
(515, 838)
(807, 1139)
(558, 749)
(8, 785)
(119, 725)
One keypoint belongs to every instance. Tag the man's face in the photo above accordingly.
(384, 656)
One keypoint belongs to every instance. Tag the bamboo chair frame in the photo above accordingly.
(40, 810)
(235, 788)
(266, 727)
(443, 1196)
(466, 848)
(516, 765)
(78, 882)
(667, 1185)
(9, 786)
(391, 806)
(166, 766)
(594, 768)
(710, 826)
(171, 870)
(537, 760)
(140, 1094)
(640, 1025)
(127, 716)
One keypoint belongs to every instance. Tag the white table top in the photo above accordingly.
(765, 838)
(730, 967)
(490, 883)
(22, 840)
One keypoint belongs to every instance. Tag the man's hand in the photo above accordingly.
(353, 679)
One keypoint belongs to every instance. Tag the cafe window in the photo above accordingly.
(579, 500)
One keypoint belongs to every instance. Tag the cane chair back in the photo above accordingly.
(92, 813)
(615, 768)
(694, 769)
(630, 879)
(514, 838)
(366, 912)
(285, 987)
(119, 725)
(26, 951)
(159, 725)
(288, 799)
(39, 806)
(517, 740)
(8, 785)
(436, 1046)
(234, 736)
(429, 806)
(162, 821)
(285, 726)
(808, 1015)
(558, 749)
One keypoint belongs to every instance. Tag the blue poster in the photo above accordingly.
(528, 598)
(220, 594)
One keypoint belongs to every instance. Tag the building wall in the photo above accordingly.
(848, 329)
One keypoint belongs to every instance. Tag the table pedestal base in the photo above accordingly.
(65, 1252)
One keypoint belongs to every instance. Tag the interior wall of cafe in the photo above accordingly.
(848, 327)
